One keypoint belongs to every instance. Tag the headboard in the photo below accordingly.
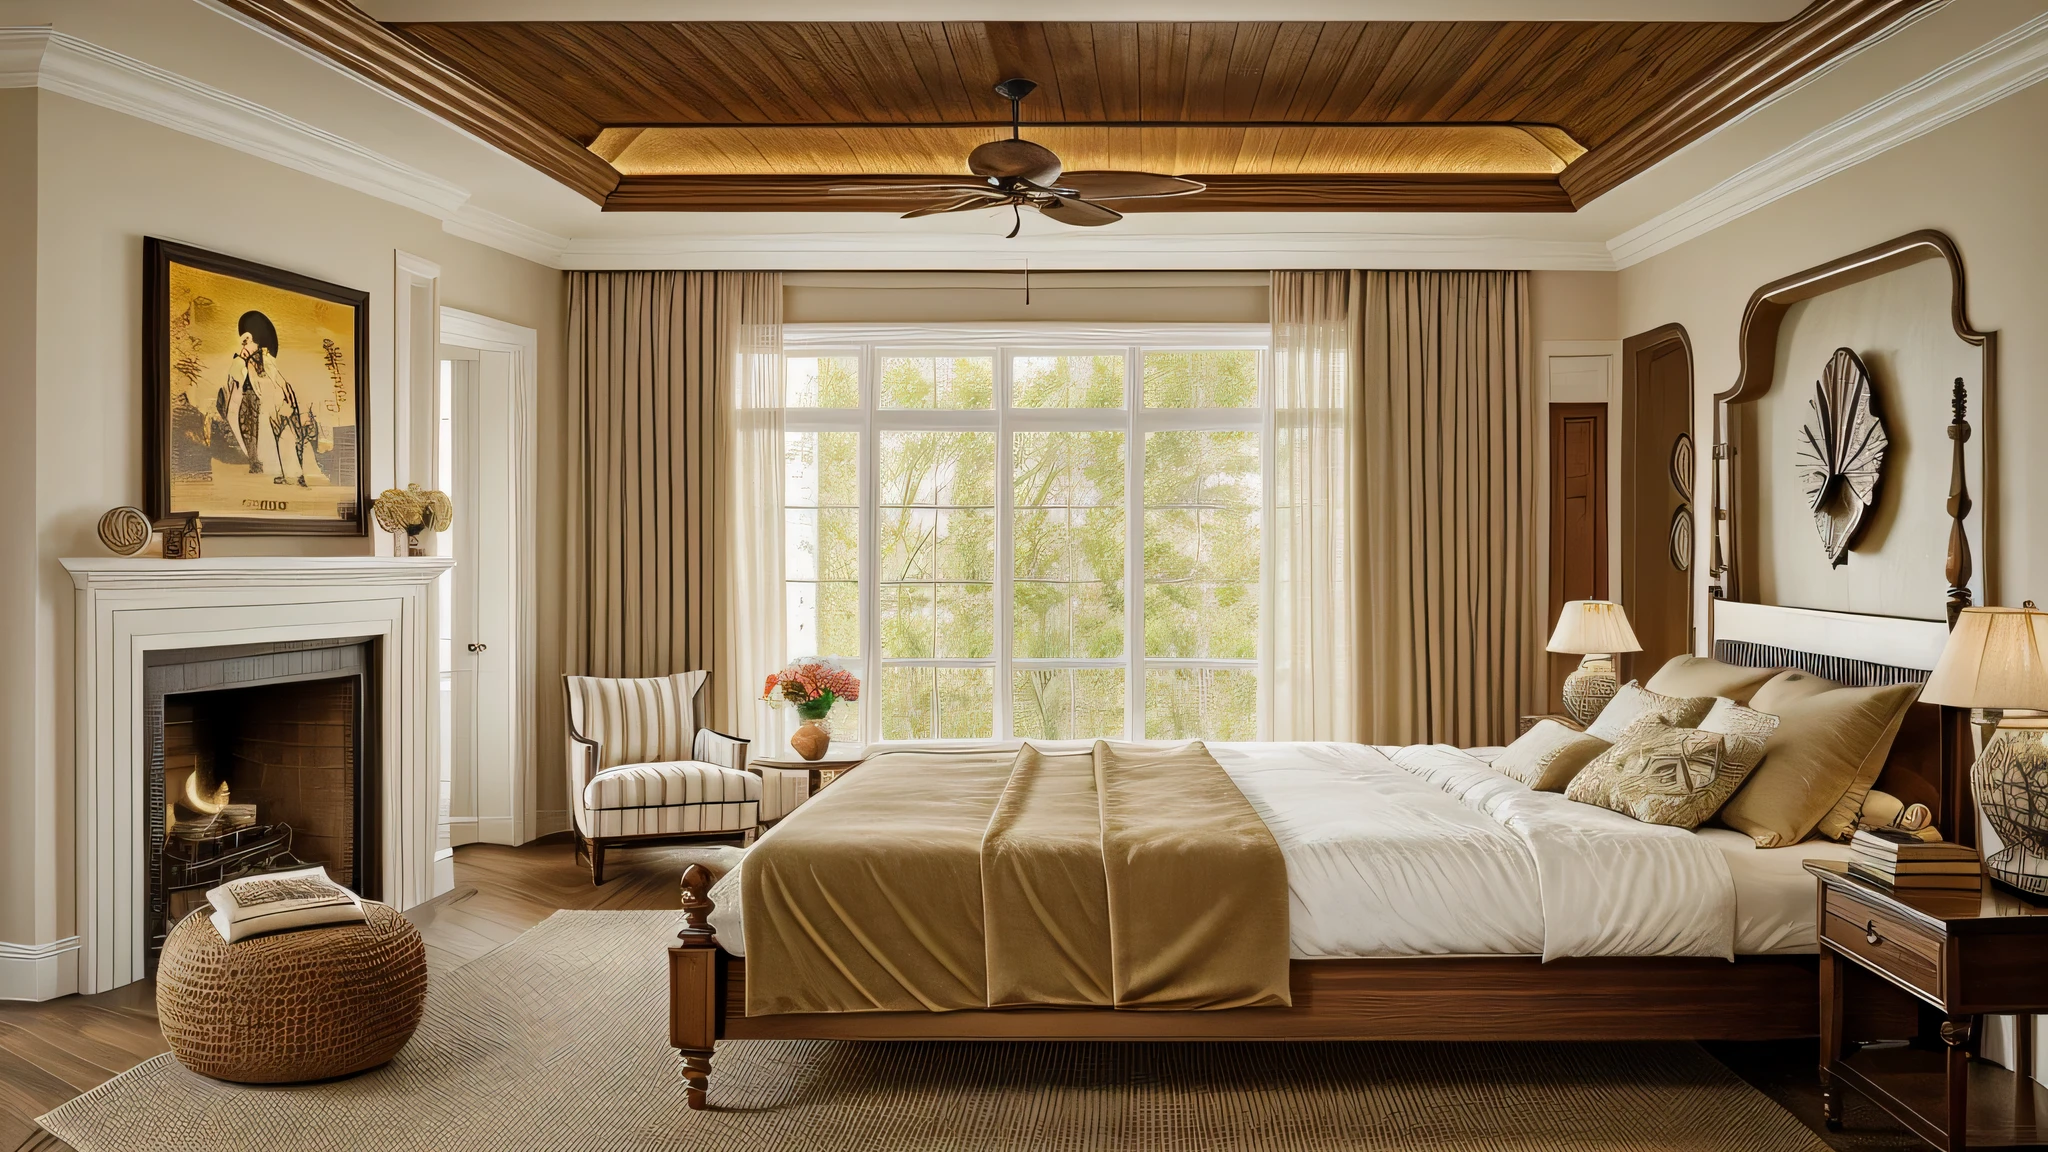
(1929, 761)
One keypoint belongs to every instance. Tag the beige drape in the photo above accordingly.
(676, 476)
(1312, 677)
(1444, 488)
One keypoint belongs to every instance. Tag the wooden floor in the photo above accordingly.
(52, 1051)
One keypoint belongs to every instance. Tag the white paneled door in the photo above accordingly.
(484, 641)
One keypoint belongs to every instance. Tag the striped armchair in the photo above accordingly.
(642, 772)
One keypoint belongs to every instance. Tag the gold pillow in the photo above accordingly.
(1548, 755)
(1820, 763)
(1789, 687)
(1705, 676)
(1633, 703)
(1661, 774)
(1732, 719)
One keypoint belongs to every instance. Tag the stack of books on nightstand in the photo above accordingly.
(1898, 859)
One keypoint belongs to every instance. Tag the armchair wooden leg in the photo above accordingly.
(597, 863)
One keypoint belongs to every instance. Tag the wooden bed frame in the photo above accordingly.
(1427, 998)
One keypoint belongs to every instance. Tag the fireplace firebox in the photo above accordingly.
(258, 760)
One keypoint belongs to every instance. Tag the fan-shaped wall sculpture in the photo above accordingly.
(1841, 453)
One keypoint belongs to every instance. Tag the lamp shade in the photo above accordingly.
(1587, 626)
(1993, 659)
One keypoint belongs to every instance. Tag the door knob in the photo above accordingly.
(478, 647)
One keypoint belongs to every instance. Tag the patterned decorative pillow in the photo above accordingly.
(1634, 702)
(1661, 774)
(1548, 756)
(1732, 719)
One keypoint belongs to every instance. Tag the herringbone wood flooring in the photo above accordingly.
(52, 1051)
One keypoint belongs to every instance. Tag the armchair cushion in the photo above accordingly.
(671, 797)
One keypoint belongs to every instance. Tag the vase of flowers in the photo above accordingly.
(413, 510)
(813, 688)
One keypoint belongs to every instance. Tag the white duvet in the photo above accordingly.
(1426, 851)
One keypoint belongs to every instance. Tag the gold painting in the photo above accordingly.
(256, 396)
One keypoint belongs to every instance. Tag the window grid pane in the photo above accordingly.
(1067, 380)
(1217, 379)
(1067, 545)
(932, 493)
(821, 554)
(941, 380)
(823, 380)
(936, 584)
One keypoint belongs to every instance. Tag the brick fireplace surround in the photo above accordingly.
(129, 608)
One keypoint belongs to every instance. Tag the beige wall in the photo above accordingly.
(1574, 306)
(22, 791)
(1980, 180)
(998, 297)
(103, 182)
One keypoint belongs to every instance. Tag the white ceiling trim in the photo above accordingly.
(61, 63)
(506, 235)
(1978, 78)
(1090, 250)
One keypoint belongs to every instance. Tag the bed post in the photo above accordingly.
(693, 985)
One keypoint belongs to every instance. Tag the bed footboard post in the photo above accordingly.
(693, 986)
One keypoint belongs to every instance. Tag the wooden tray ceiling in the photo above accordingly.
(1371, 115)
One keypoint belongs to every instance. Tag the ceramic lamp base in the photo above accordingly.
(2010, 780)
(1590, 686)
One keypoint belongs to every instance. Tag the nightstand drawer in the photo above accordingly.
(1910, 953)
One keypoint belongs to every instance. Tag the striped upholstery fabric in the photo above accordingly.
(637, 721)
(671, 798)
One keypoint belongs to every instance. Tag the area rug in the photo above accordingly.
(557, 1041)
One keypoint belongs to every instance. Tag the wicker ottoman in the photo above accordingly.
(294, 1006)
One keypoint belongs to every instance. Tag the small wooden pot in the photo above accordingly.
(812, 740)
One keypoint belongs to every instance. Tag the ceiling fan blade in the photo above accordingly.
(1080, 213)
(965, 204)
(1127, 185)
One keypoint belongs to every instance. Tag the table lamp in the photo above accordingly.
(1994, 659)
(1597, 630)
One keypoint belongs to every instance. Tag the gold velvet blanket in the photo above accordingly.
(1125, 877)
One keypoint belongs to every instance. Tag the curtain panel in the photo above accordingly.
(1405, 556)
(1312, 678)
(675, 470)
(1449, 625)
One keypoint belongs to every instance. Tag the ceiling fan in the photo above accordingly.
(1023, 175)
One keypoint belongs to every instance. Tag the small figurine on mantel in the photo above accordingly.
(413, 510)
(182, 543)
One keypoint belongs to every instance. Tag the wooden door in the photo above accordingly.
(1578, 517)
(1658, 477)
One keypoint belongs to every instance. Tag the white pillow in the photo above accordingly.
(1633, 702)
(1548, 756)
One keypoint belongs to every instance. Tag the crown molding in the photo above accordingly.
(506, 235)
(1978, 78)
(1088, 250)
(64, 64)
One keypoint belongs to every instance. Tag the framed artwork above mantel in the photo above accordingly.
(255, 396)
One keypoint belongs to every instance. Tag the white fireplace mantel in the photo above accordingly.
(128, 607)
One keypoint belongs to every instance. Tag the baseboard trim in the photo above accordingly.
(39, 971)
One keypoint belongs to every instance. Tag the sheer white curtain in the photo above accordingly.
(1313, 668)
(753, 565)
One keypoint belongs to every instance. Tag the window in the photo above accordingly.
(1034, 532)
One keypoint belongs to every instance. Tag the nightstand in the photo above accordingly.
(1527, 722)
(1961, 954)
(837, 761)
